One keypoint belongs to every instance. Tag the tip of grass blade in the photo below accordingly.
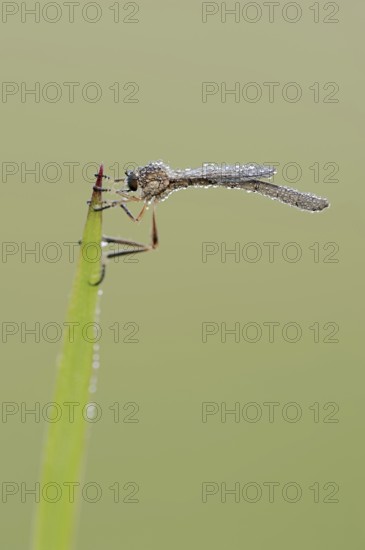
(95, 217)
(98, 184)
(100, 176)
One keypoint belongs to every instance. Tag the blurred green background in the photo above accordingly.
(169, 372)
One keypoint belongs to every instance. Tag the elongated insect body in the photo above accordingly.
(156, 181)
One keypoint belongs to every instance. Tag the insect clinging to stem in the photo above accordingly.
(154, 182)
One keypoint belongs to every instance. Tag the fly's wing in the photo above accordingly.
(242, 172)
(222, 174)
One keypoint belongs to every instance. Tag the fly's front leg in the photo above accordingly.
(100, 189)
(108, 189)
(135, 247)
(121, 203)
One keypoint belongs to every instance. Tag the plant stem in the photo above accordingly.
(65, 447)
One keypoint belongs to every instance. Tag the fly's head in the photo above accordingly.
(131, 180)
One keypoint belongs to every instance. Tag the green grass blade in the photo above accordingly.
(65, 447)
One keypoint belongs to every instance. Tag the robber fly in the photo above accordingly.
(154, 182)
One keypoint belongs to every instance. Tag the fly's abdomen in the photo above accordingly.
(304, 201)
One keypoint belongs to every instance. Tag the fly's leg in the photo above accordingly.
(106, 204)
(109, 204)
(142, 212)
(121, 203)
(100, 189)
(129, 213)
(135, 247)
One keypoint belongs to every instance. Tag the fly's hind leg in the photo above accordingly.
(135, 247)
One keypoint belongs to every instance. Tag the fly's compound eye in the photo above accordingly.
(132, 181)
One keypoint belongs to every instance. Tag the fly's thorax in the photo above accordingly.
(153, 179)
